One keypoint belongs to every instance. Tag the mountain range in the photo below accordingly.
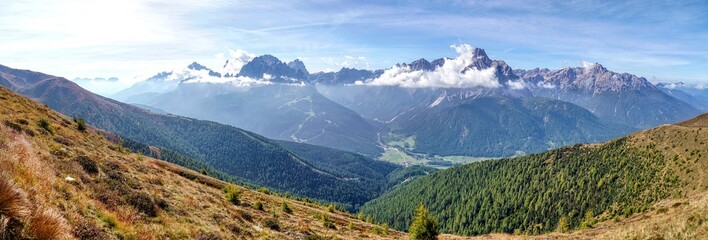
(618, 97)
(469, 105)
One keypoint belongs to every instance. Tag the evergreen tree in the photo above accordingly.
(424, 226)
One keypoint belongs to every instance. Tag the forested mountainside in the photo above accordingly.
(243, 155)
(569, 188)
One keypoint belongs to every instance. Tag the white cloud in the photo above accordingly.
(588, 65)
(516, 85)
(546, 85)
(452, 74)
(237, 59)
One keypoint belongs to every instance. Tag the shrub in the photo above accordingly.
(258, 205)
(13, 125)
(264, 190)
(143, 203)
(44, 124)
(80, 124)
(245, 215)
(286, 208)
(29, 132)
(272, 224)
(424, 226)
(88, 230)
(233, 195)
(87, 164)
(326, 222)
(381, 230)
(63, 141)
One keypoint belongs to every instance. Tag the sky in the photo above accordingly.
(664, 41)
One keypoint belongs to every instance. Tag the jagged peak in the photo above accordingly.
(480, 53)
(267, 58)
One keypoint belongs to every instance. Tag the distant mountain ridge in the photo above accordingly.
(619, 97)
(622, 102)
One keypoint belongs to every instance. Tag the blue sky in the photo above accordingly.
(659, 40)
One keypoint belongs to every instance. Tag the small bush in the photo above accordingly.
(207, 236)
(13, 126)
(29, 132)
(258, 205)
(233, 195)
(109, 221)
(80, 124)
(143, 203)
(286, 208)
(87, 164)
(88, 230)
(381, 230)
(264, 190)
(245, 215)
(662, 210)
(44, 124)
(161, 203)
(63, 141)
(326, 222)
(272, 224)
(22, 121)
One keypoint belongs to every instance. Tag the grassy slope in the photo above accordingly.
(116, 198)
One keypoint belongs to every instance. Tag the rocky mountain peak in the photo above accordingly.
(299, 66)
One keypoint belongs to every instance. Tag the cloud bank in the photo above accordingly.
(454, 73)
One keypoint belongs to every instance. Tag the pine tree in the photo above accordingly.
(563, 225)
(424, 226)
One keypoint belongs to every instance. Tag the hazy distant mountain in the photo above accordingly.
(164, 82)
(343, 76)
(296, 113)
(695, 95)
(618, 97)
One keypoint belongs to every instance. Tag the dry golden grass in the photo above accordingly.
(80, 185)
